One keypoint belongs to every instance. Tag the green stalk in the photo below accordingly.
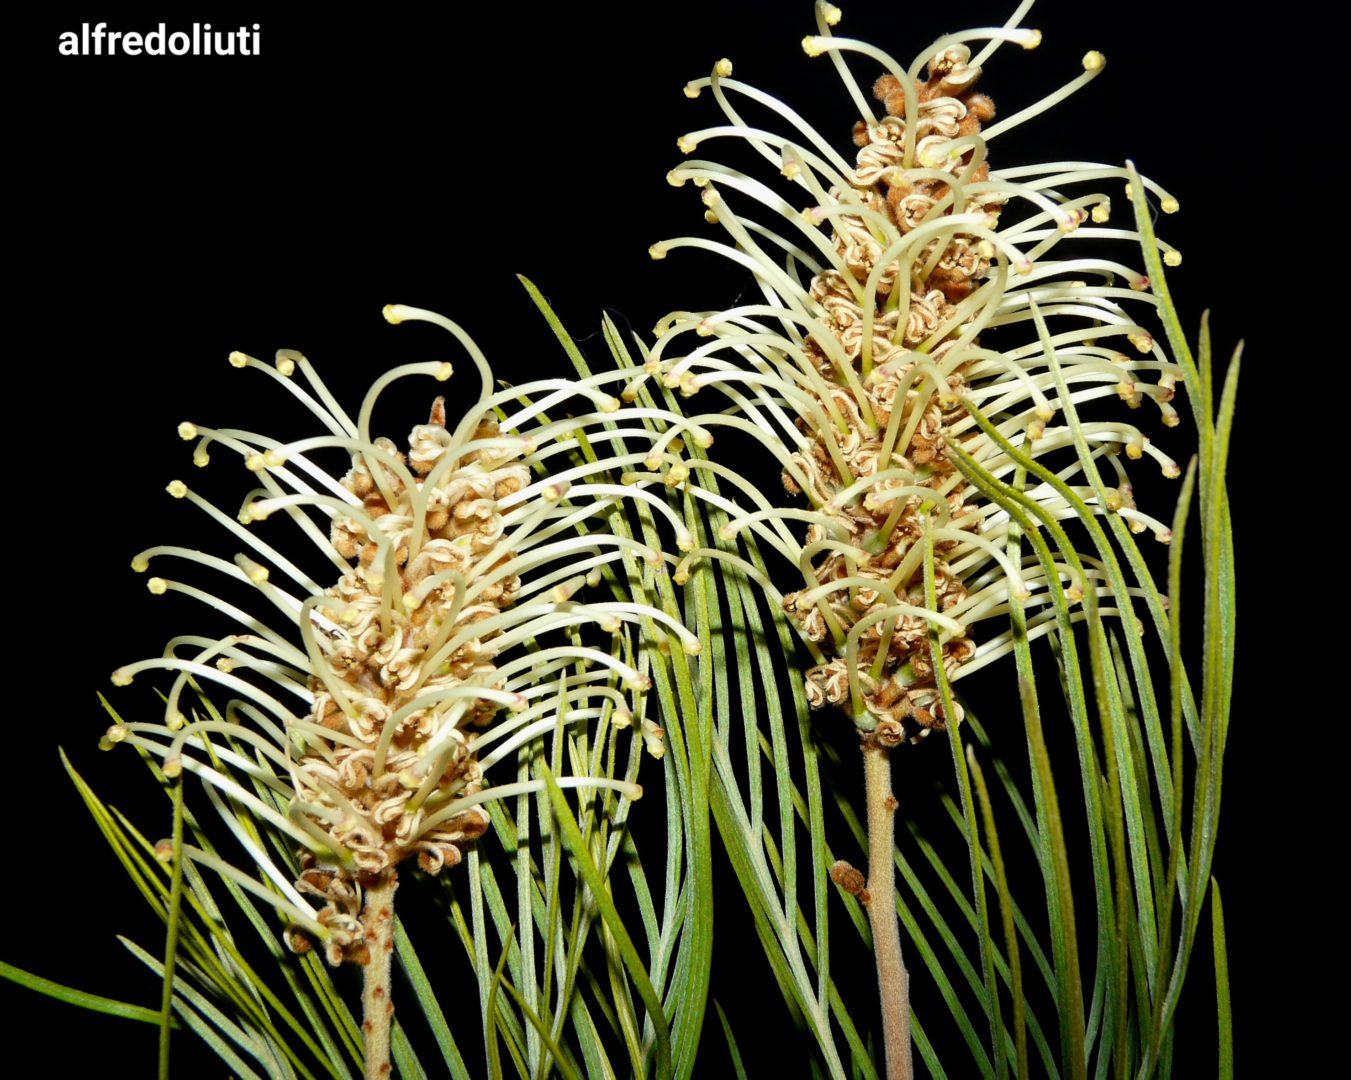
(893, 980)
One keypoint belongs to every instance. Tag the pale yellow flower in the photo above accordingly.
(366, 708)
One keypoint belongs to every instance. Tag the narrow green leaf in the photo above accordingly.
(426, 998)
(79, 998)
(983, 930)
(1175, 837)
(491, 1024)
(784, 959)
(171, 936)
(204, 1031)
(1072, 1013)
(410, 1068)
(1019, 505)
(732, 1048)
(561, 1060)
(242, 1037)
(688, 729)
(1006, 913)
(572, 838)
(1223, 1005)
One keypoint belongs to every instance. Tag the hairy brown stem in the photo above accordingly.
(892, 979)
(377, 915)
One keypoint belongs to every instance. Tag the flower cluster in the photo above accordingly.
(877, 339)
(451, 640)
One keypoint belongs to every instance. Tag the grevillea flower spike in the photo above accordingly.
(452, 637)
(925, 316)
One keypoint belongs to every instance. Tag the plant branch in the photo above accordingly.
(377, 916)
(892, 979)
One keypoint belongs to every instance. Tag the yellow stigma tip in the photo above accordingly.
(1094, 61)
(1172, 258)
(157, 585)
(723, 68)
(812, 46)
(393, 313)
(187, 431)
(1169, 205)
(177, 489)
(239, 359)
(831, 14)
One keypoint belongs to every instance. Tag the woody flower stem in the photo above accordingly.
(892, 979)
(378, 1007)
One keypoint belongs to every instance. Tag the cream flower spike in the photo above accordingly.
(911, 296)
(366, 713)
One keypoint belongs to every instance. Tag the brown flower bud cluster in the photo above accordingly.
(899, 344)
(364, 786)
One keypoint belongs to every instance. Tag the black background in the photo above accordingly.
(175, 209)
